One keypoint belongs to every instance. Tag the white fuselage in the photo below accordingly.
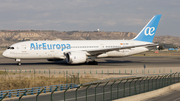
(56, 49)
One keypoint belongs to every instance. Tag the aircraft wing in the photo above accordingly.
(101, 51)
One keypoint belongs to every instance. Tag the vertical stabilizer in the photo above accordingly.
(148, 32)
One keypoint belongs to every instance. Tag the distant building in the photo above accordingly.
(173, 49)
(170, 48)
(176, 49)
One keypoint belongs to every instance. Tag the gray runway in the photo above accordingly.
(126, 62)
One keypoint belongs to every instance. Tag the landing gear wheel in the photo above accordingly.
(19, 63)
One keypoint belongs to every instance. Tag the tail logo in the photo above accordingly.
(149, 31)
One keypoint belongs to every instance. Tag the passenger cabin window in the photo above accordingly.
(10, 48)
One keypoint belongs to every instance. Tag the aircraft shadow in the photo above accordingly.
(42, 63)
(116, 61)
(63, 63)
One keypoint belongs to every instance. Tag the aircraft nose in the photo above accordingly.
(5, 54)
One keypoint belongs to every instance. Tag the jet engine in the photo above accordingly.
(75, 57)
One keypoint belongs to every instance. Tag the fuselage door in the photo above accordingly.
(18, 51)
(101, 45)
(24, 48)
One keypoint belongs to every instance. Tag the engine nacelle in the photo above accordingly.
(75, 57)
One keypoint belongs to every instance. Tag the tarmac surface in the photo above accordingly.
(104, 63)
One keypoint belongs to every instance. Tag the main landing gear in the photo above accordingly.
(93, 63)
(19, 62)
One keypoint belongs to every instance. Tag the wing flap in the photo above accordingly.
(101, 51)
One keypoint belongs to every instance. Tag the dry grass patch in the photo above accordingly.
(87, 78)
(24, 80)
(2, 72)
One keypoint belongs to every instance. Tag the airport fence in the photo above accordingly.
(70, 76)
(114, 88)
(111, 89)
(35, 90)
(64, 72)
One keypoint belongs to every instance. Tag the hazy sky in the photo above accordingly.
(89, 15)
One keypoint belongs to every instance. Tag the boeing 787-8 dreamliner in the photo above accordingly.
(80, 51)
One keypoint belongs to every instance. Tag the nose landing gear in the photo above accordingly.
(19, 62)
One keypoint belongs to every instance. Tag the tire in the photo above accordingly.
(19, 63)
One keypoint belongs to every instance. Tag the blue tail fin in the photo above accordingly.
(148, 32)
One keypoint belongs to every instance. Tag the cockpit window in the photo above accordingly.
(10, 48)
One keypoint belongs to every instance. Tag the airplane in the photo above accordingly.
(80, 51)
